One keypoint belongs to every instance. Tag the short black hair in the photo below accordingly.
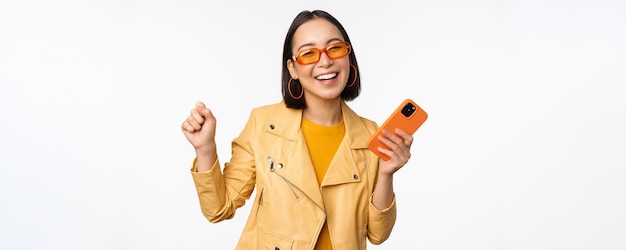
(348, 93)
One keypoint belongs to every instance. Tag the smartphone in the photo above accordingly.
(408, 117)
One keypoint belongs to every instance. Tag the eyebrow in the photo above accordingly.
(311, 44)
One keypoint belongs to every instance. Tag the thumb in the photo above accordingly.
(202, 109)
(200, 105)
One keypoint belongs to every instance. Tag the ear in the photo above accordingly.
(292, 69)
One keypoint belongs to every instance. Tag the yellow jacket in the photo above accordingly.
(288, 210)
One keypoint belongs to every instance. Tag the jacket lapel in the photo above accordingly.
(292, 152)
(343, 167)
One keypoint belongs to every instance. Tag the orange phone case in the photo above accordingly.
(408, 117)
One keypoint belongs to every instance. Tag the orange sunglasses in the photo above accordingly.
(313, 55)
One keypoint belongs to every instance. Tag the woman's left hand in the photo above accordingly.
(399, 151)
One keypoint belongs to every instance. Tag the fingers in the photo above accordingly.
(203, 111)
(197, 117)
(187, 127)
(400, 137)
(406, 137)
(399, 145)
(193, 122)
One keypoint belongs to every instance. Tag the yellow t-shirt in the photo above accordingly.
(322, 142)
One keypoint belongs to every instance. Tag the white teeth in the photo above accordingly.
(326, 76)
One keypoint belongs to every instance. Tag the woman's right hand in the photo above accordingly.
(199, 128)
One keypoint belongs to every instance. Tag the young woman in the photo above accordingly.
(317, 185)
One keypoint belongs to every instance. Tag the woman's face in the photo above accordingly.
(325, 79)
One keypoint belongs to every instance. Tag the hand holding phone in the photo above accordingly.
(407, 117)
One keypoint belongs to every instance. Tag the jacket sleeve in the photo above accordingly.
(381, 222)
(221, 193)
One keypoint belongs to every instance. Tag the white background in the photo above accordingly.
(524, 147)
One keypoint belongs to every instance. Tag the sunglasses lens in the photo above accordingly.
(308, 56)
(337, 50)
(313, 55)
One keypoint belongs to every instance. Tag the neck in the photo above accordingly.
(325, 113)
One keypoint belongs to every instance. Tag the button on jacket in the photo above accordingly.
(290, 207)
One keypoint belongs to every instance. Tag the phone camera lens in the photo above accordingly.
(408, 110)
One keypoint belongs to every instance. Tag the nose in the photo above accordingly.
(325, 60)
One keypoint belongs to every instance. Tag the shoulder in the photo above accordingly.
(356, 119)
(276, 113)
(371, 125)
(276, 119)
(267, 110)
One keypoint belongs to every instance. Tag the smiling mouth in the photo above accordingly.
(326, 76)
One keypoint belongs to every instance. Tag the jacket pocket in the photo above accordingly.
(276, 242)
(260, 202)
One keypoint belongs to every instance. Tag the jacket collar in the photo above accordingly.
(286, 123)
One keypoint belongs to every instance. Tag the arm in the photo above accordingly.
(199, 129)
(220, 193)
(399, 153)
(382, 212)
(383, 192)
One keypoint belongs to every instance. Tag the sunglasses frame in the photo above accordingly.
(323, 50)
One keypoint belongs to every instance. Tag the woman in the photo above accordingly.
(317, 184)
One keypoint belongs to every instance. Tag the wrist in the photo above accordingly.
(206, 150)
(206, 157)
(385, 177)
